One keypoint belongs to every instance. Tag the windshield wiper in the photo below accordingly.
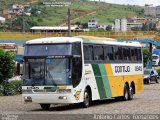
(49, 75)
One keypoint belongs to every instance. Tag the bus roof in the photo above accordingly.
(84, 39)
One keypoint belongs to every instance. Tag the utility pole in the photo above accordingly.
(23, 24)
(69, 23)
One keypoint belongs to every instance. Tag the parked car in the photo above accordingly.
(150, 75)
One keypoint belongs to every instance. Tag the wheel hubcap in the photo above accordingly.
(131, 93)
(126, 95)
(86, 98)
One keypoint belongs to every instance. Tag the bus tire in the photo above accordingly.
(157, 81)
(126, 93)
(45, 106)
(86, 99)
(130, 93)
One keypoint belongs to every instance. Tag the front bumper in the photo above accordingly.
(50, 98)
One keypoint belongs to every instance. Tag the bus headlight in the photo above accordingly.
(62, 97)
(27, 99)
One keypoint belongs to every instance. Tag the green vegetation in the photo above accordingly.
(7, 70)
(158, 71)
(7, 65)
(5, 4)
(105, 13)
(146, 57)
(11, 88)
(52, 16)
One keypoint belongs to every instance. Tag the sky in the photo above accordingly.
(134, 2)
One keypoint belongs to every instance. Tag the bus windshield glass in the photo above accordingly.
(46, 72)
(154, 57)
(48, 50)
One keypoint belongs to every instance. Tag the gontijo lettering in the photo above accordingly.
(119, 69)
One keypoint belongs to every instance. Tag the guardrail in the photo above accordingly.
(116, 35)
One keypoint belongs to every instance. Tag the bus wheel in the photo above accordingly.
(45, 106)
(86, 99)
(157, 81)
(126, 93)
(130, 93)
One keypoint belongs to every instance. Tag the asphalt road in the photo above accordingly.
(147, 102)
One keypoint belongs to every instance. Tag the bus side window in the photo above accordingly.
(76, 71)
(126, 54)
(139, 55)
(133, 56)
(88, 52)
(108, 53)
(98, 53)
(120, 57)
(116, 52)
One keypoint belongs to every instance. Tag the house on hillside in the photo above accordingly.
(102, 26)
(93, 23)
(17, 9)
(7, 16)
(2, 19)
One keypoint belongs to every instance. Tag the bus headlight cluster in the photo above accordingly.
(62, 97)
(27, 99)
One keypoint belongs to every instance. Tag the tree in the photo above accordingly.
(109, 28)
(7, 65)
(84, 25)
(149, 26)
(78, 23)
(146, 56)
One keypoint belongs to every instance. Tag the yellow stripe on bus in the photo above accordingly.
(116, 82)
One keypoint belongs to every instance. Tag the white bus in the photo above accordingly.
(66, 70)
(155, 60)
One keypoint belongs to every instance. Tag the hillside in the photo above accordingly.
(105, 13)
(5, 4)
(81, 11)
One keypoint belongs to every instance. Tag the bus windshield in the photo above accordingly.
(154, 57)
(46, 72)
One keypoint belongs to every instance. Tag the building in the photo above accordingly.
(158, 11)
(130, 24)
(134, 26)
(16, 8)
(2, 19)
(123, 26)
(7, 16)
(54, 29)
(120, 25)
(92, 23)
(136, 19)
(117, 25)
(150, 10)
(102, 26)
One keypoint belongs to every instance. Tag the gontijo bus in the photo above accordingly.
(63, 70)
